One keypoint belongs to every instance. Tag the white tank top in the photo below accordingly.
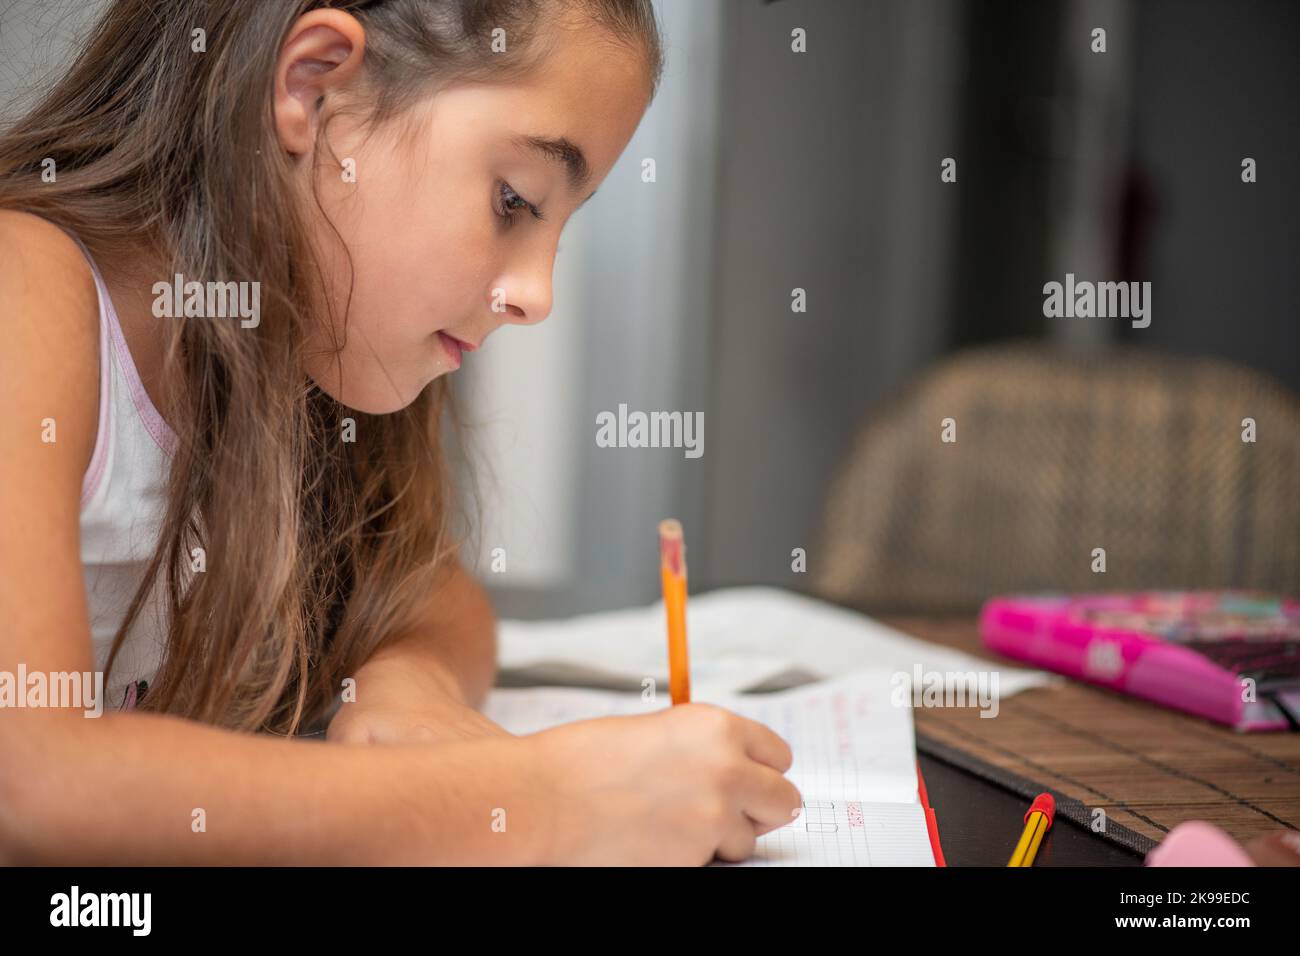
(122, 504)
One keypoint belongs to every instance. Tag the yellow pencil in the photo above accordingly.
(672, 572)
(1038, 820)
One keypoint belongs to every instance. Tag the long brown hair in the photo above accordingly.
(316, 549)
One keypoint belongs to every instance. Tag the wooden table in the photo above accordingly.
(1148, 767)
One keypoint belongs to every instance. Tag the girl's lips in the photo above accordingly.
(452, 346)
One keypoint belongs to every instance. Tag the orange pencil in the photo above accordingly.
(672, 571)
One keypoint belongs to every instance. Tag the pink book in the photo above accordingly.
(1229, 656)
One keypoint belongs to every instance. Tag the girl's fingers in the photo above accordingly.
(768, 799)
(766, 747)
(737, 843)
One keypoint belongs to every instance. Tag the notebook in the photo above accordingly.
(854, 763)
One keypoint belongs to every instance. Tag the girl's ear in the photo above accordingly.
(320, 56)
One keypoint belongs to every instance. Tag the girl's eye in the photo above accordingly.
(512, 201)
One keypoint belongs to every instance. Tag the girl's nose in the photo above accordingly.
(524, 299)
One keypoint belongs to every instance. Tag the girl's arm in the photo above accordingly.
(425, 685)
(139, 788)
(456, 639)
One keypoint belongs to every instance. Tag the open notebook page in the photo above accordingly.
(854, 763)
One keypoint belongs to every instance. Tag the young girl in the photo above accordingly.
(244, 245)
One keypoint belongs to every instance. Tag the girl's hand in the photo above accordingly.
(673, 788)
(429, 722)
(407, 704)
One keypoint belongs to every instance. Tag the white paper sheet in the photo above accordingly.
(739, 638)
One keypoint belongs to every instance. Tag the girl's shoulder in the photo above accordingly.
(49, 365)
(43, 268)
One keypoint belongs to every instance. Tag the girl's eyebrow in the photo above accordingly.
(562, 151)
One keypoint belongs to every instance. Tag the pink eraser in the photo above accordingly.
(1197, 843)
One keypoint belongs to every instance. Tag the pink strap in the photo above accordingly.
(153, 422)
(95, 471)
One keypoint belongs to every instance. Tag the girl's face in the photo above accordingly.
(451, 220)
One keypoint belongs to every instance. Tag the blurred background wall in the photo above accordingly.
(820, 171)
